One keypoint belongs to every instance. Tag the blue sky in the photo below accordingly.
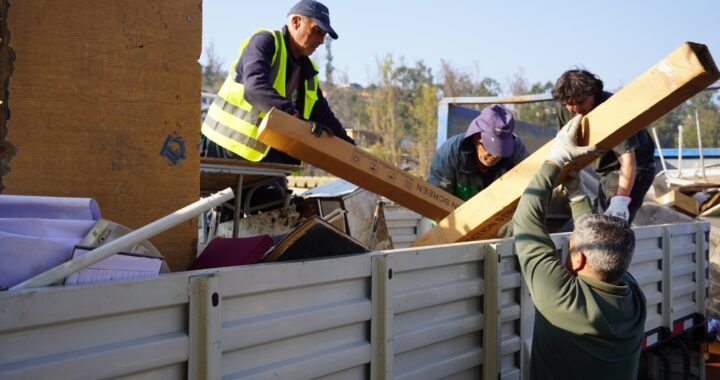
(618, 40)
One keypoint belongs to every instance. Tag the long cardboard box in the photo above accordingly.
(292, 136)
(677, 77)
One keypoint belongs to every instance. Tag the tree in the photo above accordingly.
(424, 110)
(540, 113)
(707, 105)
(457, 83)
(213, 75)
(418, 110)
(666, 126)
(383, 112)
(329, 68)
(702, 108)
(349, 104)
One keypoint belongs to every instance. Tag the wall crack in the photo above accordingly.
(7, 58)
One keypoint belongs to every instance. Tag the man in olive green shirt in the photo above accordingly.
(590, 313)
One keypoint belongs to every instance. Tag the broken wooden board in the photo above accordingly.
(105, 104)
(292, 136)
(713, 201)
(680, 202)
(685, 72)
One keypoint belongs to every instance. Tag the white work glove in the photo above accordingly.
(564, 148)
(619, 207)
(506, 230)
(573, 186)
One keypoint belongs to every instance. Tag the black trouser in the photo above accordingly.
(607, 188)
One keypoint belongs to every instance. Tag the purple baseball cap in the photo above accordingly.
(318, 12)
(495, 125)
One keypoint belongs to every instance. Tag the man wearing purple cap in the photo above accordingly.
(468, 163)
(273, 70)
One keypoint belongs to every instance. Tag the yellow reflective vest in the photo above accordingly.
(232, 122)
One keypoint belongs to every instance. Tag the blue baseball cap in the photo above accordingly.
(318, 12)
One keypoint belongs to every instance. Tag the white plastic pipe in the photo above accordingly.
(680, 148)
(143, 233)
(700, 147)
(659, 148)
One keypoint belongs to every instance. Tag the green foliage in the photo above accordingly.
(213, 74)
(384, 109)
(707, 108)
(424, 112)
(540, 113)
(704, 111)
(666, 128)
(329, 68)
(457, 83)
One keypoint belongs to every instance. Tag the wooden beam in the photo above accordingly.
(105, 104)
(676, 78)
(292, 136)
(680, 202)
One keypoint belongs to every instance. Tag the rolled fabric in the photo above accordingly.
(28, 206)
(25, 255)
(38, 233)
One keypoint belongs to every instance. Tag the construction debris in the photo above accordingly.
(680, 202)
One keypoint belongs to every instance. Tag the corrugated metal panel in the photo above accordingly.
(302, 320)
(402, 225)
(438, 311)
(510, 302)
(683, 252)
(95, 331)
(646, 267)
(454, 311)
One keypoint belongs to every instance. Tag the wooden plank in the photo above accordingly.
(711, 202)
(292, 136)
(680, 202)
(676, 78)
(95, 92)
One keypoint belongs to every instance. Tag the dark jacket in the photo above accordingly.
(253, 71)
(454, 168)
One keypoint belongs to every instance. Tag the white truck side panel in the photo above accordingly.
(438, 311)
(456, 311)
(403, 226)
(646, 267)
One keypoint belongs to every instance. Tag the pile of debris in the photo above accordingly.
(693, 196)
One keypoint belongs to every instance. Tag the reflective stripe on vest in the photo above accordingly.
(311, 95)
(232, 122)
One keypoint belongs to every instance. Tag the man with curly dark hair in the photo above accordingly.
(627, 171)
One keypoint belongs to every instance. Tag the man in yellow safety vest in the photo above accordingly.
(273, 70)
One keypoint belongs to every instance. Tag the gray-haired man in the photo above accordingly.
(590, 313)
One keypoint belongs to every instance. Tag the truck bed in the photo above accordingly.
(458, 311)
